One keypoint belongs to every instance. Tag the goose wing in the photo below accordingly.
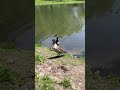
(61, 50)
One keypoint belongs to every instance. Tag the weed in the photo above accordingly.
(47, 87)
(65, 83)
(37, 45)
(44, 83)
(39, 58)
(47, 80)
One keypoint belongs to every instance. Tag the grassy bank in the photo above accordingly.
(68, 73)
(58, 73)
(63, 73)
(38, 2)
(15, 65)
(44, 53)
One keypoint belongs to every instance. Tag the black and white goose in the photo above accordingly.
(57, 40)
(57, 48)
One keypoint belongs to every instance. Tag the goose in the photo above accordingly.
(57, 48)
(57, 41)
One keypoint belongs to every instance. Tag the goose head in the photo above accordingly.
(56, 35)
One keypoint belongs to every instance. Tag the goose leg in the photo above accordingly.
(51, 49)
(59, 54)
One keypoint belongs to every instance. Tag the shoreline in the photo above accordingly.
(42, 3)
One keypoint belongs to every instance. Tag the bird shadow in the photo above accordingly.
(55, 57)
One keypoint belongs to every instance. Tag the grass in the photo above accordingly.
(98, 82)
(9, 77)
(47, 80)
(44, 83)
(65, 83)
(38, 45)
(5, 74)
(69, 59)
(7, 45)
(14, 67)
(40, 59)
(64, 64)
(36, 78)
(66, 59)
(47, 87)
(38, 2)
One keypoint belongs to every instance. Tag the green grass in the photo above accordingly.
(44, 83)
(5, 74)
(47, 80)
(47, 87)
(69, 59)
(66, 59)
(65, 83)
(9, 77)
(38, 45)
(7, 45)
(38, 2)
(36, 77)
(39, 59)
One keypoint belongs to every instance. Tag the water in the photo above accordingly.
(104, 53)
(68, 21)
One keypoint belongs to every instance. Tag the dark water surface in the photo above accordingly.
(103, 33)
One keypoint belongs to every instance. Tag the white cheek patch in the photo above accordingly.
(58, 42)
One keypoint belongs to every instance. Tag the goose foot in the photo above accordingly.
(58, 55)
(51, 49)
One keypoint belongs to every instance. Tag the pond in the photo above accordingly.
(68, 21)
(102, 39)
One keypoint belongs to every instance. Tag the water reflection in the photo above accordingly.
(74, 44)
(65, 20)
